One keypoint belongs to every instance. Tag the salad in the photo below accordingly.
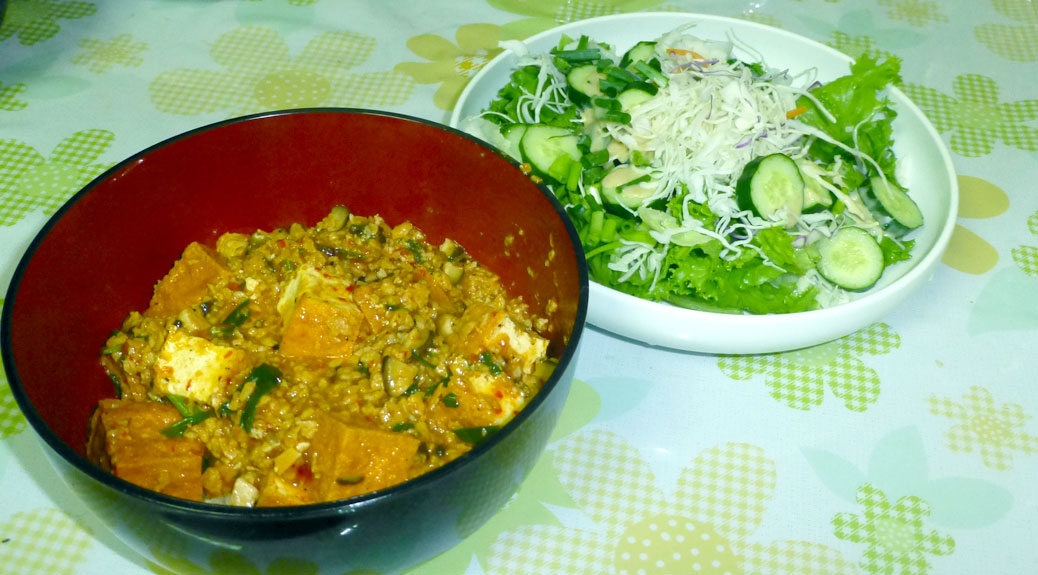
(708, 181)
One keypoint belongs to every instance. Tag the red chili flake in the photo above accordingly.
(349, 287)
(233, 286)
(303, 472)
(499, 394)
(281, 243)
(228, 354)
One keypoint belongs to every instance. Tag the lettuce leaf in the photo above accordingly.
(859, 103)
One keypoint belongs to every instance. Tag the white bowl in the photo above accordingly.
(924, 167)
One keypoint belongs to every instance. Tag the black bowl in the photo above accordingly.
(98, 257)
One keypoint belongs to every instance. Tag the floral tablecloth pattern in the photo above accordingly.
(909, 447)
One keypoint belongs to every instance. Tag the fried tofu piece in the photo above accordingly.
(126, 439)
(321, 329)
(349, 461)
(187, 282)
(198, 369)
(370, 304)
(485, 328)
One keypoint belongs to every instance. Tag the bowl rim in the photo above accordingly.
(886, 297)
(295, 512)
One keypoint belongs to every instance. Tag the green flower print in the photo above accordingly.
(858, 33)
(975, 117)
(799, 378)
(856, 46)
(451, 65)
(915, 12)
(898, 465)
(11, 419)
(760, 18)
(29, 181)
(1017, 41)
(100, 55)
(42, 541)
(260, 74)
(545, 14)
(37, 20)
(9, 101)
(968, 252)
(893, 534)
(706, 526)
(1026, 257)
(980, 425)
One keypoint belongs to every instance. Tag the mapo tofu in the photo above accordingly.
(310, 364)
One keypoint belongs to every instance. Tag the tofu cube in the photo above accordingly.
(485, 328)
(187, 282)
(321, 329)
(126, 439)
(349, 461)
(197, 368)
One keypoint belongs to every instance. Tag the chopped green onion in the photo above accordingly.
(118, 385)
(178, 428)
(488, 360)
(432, 388)
(476, 435)
(595, 229)
(607, 104)
(573, 178)
(450, 400)
(416, 250)
(415, 356)
(349, 479)
(585, 55)
(636, 181)
(651, 73)
(621, 75)
(190, 416)
(179, 402)
(238, 315)
(266, 377)
(411, 389)
(592, 159)
(403, 426)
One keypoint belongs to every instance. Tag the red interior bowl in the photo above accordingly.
(99, 257)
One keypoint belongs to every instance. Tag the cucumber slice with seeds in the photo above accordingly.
(772, 186)
(542, 146)
(851, 259)
(584, 83)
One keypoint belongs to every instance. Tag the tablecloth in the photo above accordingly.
(909, 447)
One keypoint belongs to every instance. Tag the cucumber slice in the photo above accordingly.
(635, 95)
(618, 189)
(851, 259)
(542, 146)
(640, 52)
(896, 203)
(513, 134)
(584, 83)
(770, 186)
